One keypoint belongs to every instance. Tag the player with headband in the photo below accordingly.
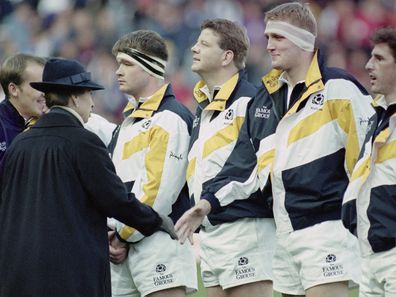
(323, 116)
(149, 151)
(305, 127)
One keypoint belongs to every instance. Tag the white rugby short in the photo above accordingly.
(320, 254)
(155, 263)
(379, 275)
(237, 253)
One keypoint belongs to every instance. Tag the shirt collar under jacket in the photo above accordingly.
(206, 91)
(149, 106)
(283, 80)
(72, 111)
(313, 81)
(220, 99)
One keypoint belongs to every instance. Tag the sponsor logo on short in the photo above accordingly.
(244, 270)
(161, 278)
(330, 258)
(262, 112)
(160, 268)
(3, 146)
(243, 261)
(332, 269)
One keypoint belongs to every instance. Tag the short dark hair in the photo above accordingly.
(233, 37)
(61, 98)
(14, 67)
(145, 41)
(388, 36)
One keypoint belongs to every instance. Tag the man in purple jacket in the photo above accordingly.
(22, 103)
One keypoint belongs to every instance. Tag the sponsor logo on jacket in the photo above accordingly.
(3, 146)
(196, 121)
(176, 156)
(262, 112)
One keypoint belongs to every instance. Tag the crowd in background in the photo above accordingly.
(87, 29)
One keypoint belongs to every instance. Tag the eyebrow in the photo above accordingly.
(377, 56)
(122, 60)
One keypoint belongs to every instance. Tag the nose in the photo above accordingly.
(194, 48)
(118, 71)
(270, 45)
(92, 102)
(369, 64)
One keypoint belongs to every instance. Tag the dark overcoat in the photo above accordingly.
(58, 187)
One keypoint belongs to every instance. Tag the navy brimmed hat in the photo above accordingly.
(65, 75)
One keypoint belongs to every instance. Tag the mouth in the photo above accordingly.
(195, 60)
(373, 78)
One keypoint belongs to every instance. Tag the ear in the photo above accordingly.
(74, 100)
(13, 89)
(228, 57)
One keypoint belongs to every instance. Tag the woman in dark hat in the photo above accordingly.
(58, 187)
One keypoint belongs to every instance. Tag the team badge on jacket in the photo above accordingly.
(229, 116)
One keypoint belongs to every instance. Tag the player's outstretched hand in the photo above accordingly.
(191, 220)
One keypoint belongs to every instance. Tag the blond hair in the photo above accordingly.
(294, 13)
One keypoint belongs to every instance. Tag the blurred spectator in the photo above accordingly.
(86, 29)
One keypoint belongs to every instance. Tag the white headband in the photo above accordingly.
(300, 37)
(153, 65)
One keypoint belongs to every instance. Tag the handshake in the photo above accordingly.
(183, 229)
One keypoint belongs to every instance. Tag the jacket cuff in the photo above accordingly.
(120, 238)
(213, 201)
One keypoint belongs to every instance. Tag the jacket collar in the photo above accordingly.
(58, 117)
(12, 114)
(147, 108)
(313, 81)
(223, 95)
(379, 102)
